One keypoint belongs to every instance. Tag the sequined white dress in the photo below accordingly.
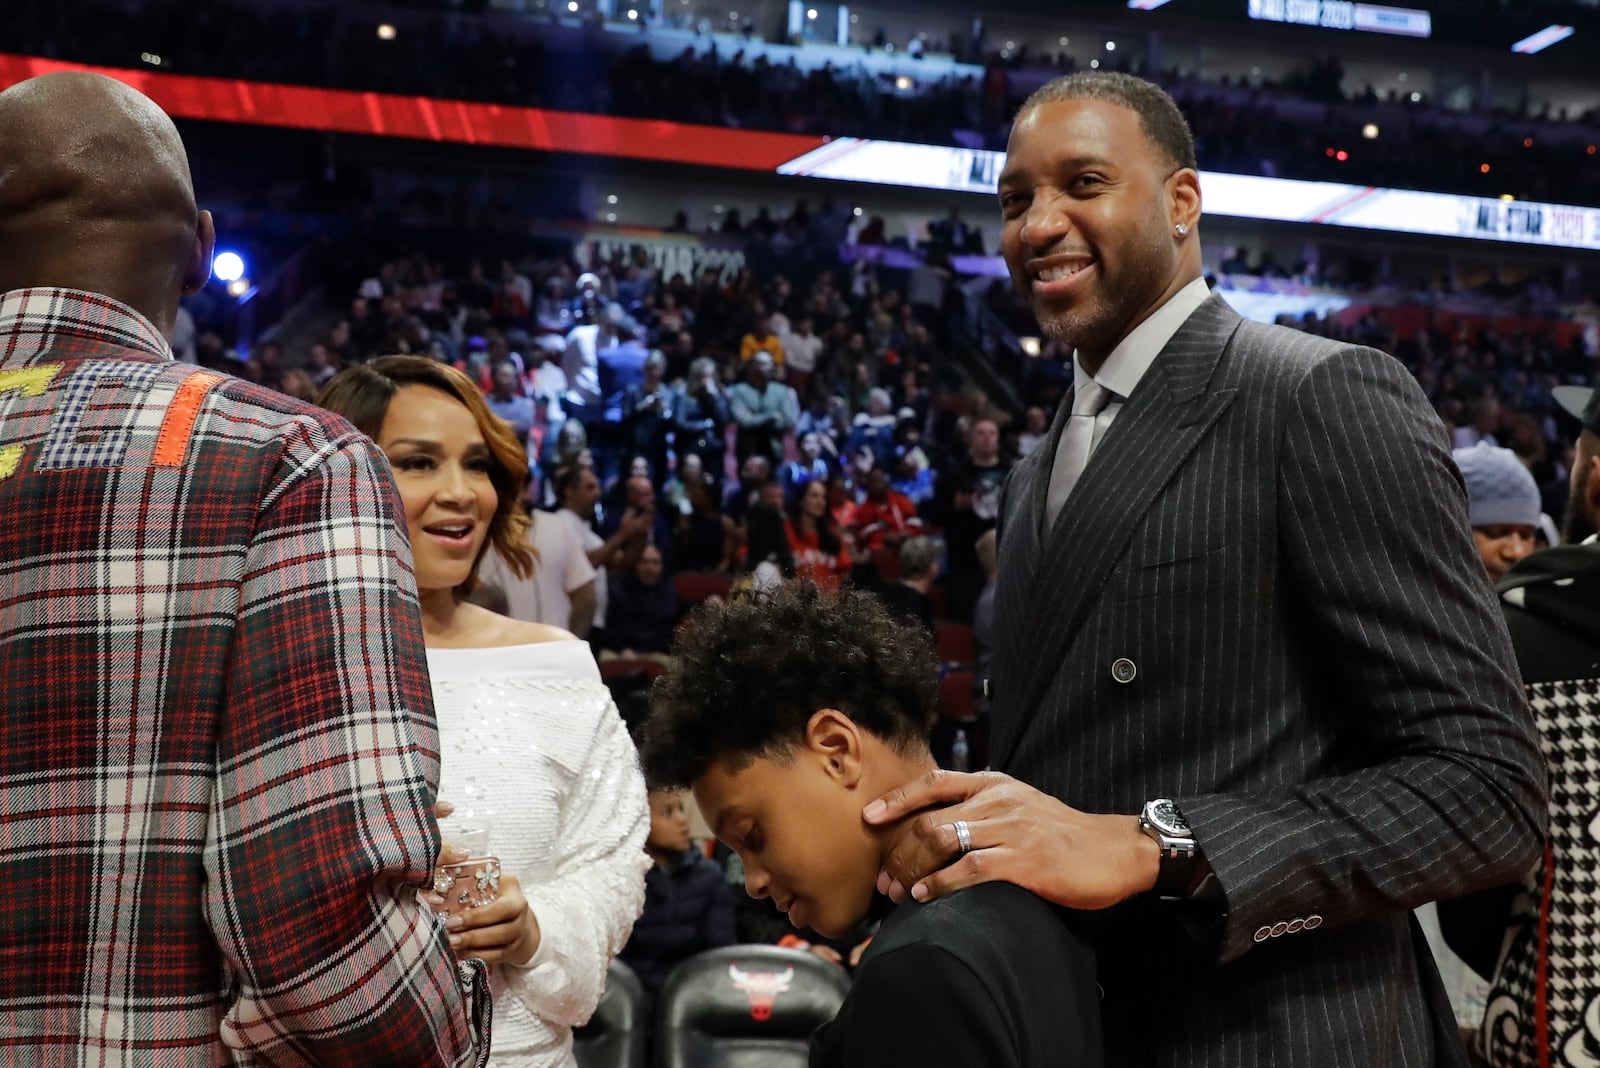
(531, 744)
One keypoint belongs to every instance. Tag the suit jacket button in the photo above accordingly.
(1278, 929)
(1313, 921)
(1296, 925)
(1124, 670)
(1263, 933)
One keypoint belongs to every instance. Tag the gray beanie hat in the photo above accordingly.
(1499, 488)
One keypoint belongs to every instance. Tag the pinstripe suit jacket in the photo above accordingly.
(1263, 600)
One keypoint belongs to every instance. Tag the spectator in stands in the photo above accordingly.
(874, 429)
(955, 236)
(560, 592)
(967, 503)
(907, 597)
(647, 414)
(821, 552)
(765, 541)
(578, 491)
(801, 351)
(319, 365)
(529, 738)
(681, 353)
(295, 383)
(762, 338)
(809, 465)
(643, 609)
(588, 304)
(581, 362)
(544, 377)
(827, 417)
(754, 472)
(1485, 421)
(1502, 505)
(1036, 427)
(886, 518)
(702, 417)
(782, 713)
(343, 345)
(913, 476)
(507, 402)
(639, 499)
(141, 910)
(765, 410)
(550, 311)
(688, 908)
(705, 537)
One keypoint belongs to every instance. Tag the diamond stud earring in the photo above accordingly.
(1182, 229)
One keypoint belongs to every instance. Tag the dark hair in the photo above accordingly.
(362, 394)
(765, 539)
(749, 674)
(567, 479)
(1163, 123)
(828, 539)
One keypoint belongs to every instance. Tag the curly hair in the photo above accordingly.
(748, 675)
(362, 394)
(1159, 116)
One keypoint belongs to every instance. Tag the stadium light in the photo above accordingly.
(1146, 5)
(228, 266)
(1538, 42)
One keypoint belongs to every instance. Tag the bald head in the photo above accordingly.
(95, 194)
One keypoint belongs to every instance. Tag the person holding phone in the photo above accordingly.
(532, 747)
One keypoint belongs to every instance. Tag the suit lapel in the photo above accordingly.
(1048, 594)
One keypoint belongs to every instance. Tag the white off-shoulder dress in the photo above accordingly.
(532, 745)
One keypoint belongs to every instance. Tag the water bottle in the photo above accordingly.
(959, 752)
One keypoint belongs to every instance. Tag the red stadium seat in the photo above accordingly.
(614, 669)
(696, 586)
(940, 602)
(955, 644)
(956, 701)
(887, 561)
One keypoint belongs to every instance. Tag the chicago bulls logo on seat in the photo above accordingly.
(762, 988)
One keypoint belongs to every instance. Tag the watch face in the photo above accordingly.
(1166, 817)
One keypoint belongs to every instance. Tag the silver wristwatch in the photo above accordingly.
(1162, 821)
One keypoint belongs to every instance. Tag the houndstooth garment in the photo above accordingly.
(1568, 714)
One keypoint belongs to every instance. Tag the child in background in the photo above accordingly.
(687, 906)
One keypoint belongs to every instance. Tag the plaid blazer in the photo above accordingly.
(219, 758)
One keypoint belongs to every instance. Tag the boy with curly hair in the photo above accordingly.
(786, 714)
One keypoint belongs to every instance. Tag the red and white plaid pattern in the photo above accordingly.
(219, 755)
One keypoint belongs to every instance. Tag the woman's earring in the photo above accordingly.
(1182, 229)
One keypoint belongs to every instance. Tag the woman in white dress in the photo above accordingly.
(531, 745)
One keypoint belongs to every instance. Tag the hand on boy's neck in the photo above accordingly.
(1020, 835)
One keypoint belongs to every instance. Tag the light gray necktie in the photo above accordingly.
(1077, 441)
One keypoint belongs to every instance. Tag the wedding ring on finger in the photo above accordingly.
(963, 837)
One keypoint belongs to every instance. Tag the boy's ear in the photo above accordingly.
(834, 738)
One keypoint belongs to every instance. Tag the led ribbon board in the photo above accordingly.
(429, 119)
(887, 163)
(1401, 211)
(1344, 15)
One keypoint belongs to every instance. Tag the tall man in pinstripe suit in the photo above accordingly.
(1237, 594)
